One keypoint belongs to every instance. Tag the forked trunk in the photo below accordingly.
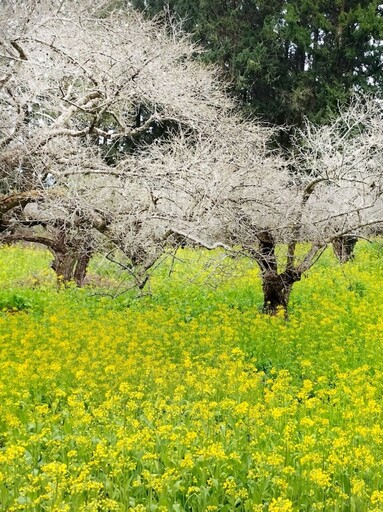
(276, 286)
(276, 291)
(71, 266)
(343, 247)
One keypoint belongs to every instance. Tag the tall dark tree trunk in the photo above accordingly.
(343, 247)
(276, 286)
(276, 292)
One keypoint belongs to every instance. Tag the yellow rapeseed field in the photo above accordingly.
(191, 399)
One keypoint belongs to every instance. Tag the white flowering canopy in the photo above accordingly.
(110, 122)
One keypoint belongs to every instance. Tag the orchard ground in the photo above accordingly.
(190, 399)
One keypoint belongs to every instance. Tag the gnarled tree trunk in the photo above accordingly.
(71, 265)
(71, 257)
(82, 266)
(277, 286)
(276, 290)
(64, 264)
(343, 247)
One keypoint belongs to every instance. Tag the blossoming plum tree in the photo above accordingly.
(82, 88)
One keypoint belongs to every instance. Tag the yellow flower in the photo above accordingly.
(187, 461)
(280, 505)
(138, 508)
(357, 486)
(230, 487)
(377, 498)
(320, 477)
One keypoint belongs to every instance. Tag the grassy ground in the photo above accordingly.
(190, 399)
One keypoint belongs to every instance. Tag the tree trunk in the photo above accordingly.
(344, 247)
(82, 267)
(276, 291)
(64, 265)
(71, 266)
(276, 286)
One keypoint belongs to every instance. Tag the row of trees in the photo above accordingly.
(114, 136)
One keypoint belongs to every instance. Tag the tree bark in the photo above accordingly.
(64, 264)
(82, 266)
(276, 286)
(344, 247)
(71, 266)
(276, 290)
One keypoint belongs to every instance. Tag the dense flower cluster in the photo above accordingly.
(192, 400)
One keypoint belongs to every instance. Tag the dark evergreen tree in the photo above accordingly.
(287, 58)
